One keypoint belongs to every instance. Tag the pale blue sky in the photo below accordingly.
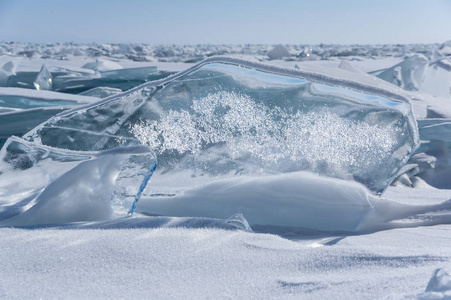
(227, 22)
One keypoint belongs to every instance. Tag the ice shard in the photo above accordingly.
(227, 117)
(122, 79)
(222, 120)
(21, 110)
(142, 73)
(43, 80)
(416, 73)
(408, 74)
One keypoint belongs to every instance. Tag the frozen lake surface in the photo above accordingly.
(316, 172)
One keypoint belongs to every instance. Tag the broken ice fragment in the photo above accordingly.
(122, 79)
(43, 80)
(435, 130)
(440, 283)
(434, 154)
(227, 117)
(21, 110)
(416, 73)
(68, 186)
(142, 73)
(221, 127)
(101, 92)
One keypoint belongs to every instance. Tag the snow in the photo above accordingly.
(439, 285)
(204, 263)
(102, 65)
(292, 200)
(101, 92)
(339, 242)
(278, 52)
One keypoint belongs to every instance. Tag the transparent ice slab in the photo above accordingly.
(21, 111)
(434, 154)
(435, 129)
(142, 73)
(227, 117)
(18, 122)
(101, 92)
(122, 79)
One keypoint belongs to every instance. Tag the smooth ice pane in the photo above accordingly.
(22, 110)
(130, 74)
(21, 102)
(122, 79)
(226, 118)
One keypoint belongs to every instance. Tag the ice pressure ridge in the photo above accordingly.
(228, 118)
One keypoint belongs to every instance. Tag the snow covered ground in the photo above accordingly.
(179, 262)
(400, 250)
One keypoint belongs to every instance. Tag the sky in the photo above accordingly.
(227, 22)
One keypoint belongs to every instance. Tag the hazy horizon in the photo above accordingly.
(233, 22)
